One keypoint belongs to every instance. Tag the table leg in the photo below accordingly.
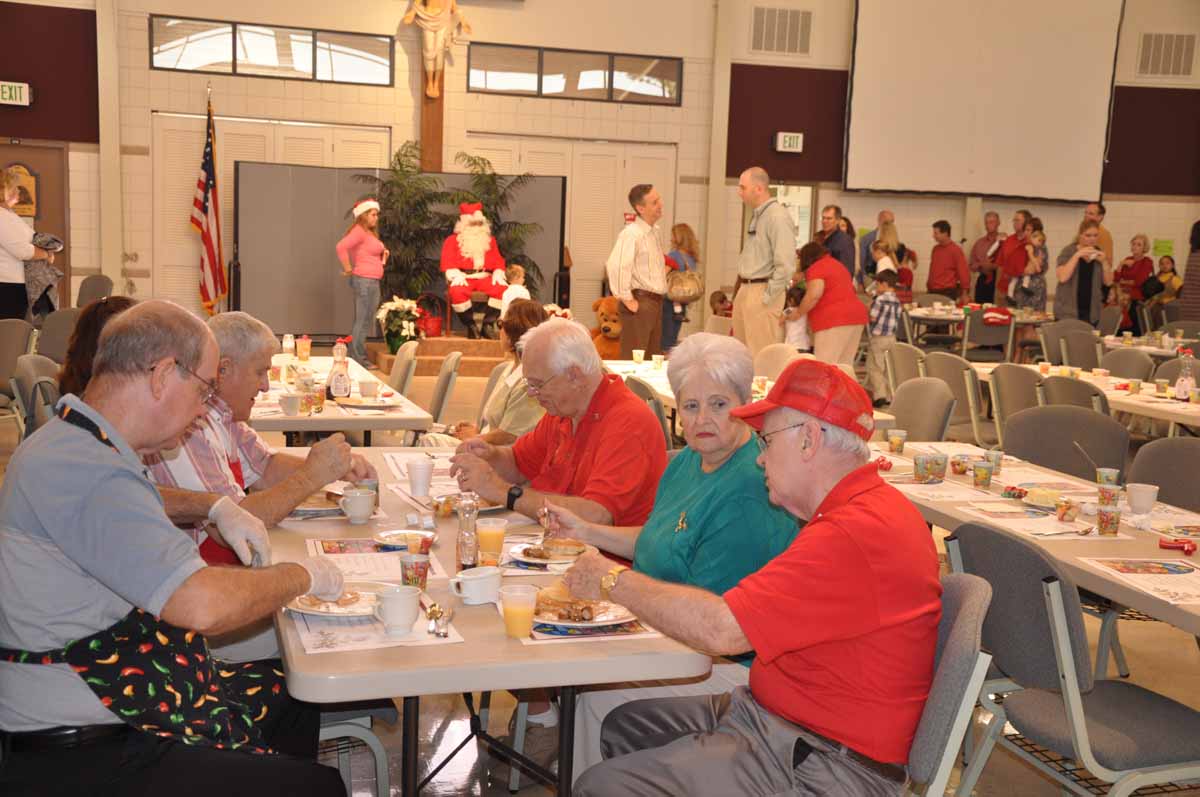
(408, 747)
(566, 739)
(289, 439)
(367, 438)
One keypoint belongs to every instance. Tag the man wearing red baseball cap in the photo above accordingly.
(844, 623)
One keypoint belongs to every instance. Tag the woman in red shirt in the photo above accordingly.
(1134, 270)
(362, 256)
(836, 316)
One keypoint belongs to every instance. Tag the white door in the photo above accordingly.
(654, 164)
(596, 206)
(503, 153)
(304, 145)
(551, 158)
(178, 148)
(238, 141)
(361, 148)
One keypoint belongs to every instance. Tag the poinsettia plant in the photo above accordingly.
(398, 320)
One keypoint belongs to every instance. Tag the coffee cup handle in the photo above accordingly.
(342, 506)
(378, 616)
(456, 586)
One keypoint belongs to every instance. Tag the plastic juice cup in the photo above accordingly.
(414, 569)
(490, 533)
(923, 468)
(982, 473)
(303, 349)
(997, 460)
(1107, 475)
(517, 603)
(937, 465)
(896, 438)
(1108, 520)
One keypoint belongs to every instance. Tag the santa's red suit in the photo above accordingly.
(472, 262)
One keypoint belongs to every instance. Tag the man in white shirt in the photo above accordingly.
(766, 264)
(637, 274)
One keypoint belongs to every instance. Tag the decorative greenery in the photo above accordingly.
(398, 320)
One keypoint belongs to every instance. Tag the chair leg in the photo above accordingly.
(1119, 653)
(485, 706)
(979, 757)
(518, 744)
(1104, 644)
(361, 731)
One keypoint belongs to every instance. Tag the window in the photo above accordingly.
(235, 48)
(574, 74)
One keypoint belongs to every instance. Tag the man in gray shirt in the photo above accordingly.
(84, 545)
(766, 265)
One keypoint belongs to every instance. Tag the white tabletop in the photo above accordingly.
(267, 417)
(487, 660)
(1140, 344)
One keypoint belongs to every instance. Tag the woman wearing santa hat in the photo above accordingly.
(362, 256)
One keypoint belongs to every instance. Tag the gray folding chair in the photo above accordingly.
(1110, 320)
(443, 389)
(1055, 390)
(1172, 312)
(15, 336)
(1169, 370)
(1151, 316)
(1080, 349)
(968, 424)
(959, 667)
(903, 362)
(643, 390)
(1128, 364)
(403, 368)
(93, 287)
(1171, 464)
(923, 407)
(1182, 329)
(773, 358)
(355, 720)
(1047, 436)
(493, 378)
(56, 333)
(1051, 334)
(1013, 388)
(1120, 733)
(977, 334)
(34, 381)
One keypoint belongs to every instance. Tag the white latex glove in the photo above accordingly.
(455, 277)
(244, 533)
(499, 277)
(325, 579)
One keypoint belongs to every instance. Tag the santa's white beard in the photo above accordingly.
(474, 240)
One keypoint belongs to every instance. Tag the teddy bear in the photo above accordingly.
(607, 334)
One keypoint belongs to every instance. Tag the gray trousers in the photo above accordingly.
(366, 303)
(719, 745)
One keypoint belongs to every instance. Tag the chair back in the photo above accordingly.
(1017, 630)
(1110, 320)
(773, 358)
(1073, 392)
(1172, 312)
(1152, 316)
(45, 396)
(32, 369)
(959, 668)
(1047, 436)
(403, 368)
(904, 361)
(1013, 388)
(953, 370)
(642, 389)
(443, 389)
(1171, 464)
(922, 407)
(493, 379)
(719, 325)
(1128, 364)
(1080, 349)
(1169, 370)
(56, 333)
(981, 334)
(1182, 329)
(1052, 333)
(93, 287)
(14, 342)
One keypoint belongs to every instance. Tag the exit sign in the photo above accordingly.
(14, 93)
(789, 142)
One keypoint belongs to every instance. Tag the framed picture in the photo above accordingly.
(27, 187)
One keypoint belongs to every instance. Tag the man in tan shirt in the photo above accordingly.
(1095, 211)
(766, 264)
(637, 274)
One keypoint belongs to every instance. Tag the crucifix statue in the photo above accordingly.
(439, 20)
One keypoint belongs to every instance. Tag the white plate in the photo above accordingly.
(375, 403)
(1047, 507)
(608, 614)
(518, 552)
(368, 592)
(399, 538)
(490, 507)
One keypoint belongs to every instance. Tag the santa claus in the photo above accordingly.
(472, 262)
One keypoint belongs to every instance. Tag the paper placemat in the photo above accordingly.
(340, 634)
(544, 634)
(1172, 580)
(1039, 525)
(362, 559)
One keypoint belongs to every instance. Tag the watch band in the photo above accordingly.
(609, 581)
(514, 494)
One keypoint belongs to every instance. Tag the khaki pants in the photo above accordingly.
(754, 323)
(643, 329)
(877, 384)
(721, 745)
(837, 344)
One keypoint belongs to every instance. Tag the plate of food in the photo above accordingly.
(373, 403)
(358, 599)
(556, 606)
(1041, 498)
(319, 504)
(447, 504)
(554, 551)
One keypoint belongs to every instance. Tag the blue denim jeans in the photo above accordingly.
(366, 303)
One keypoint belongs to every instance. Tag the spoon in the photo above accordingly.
(1091, 461)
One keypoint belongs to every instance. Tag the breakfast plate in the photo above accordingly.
(317, 505)
(358, 600)
(374, 403)
(518, 552)
(604, 614)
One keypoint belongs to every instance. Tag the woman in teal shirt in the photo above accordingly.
(711, 525)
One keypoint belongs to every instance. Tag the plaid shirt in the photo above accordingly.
(885, 314)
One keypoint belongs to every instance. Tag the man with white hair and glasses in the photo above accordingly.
(844, 625)
(598, 451)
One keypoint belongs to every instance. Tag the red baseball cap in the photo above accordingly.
(823, 391)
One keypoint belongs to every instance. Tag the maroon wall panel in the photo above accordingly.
(1155, 145)
(765, 100)
(54, 51)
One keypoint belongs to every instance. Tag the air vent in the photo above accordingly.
(1167, 54)
(780, 30)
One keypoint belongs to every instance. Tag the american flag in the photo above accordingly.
(206, 218)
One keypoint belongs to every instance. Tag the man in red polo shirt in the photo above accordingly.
(598, 450)
(1012, 257)
(844, 623)
(948, 273)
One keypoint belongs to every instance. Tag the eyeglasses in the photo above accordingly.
(764, 437)
(211, 386)
(536, 389)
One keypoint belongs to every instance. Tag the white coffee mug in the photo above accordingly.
(290, 404)
(1141, 497)
(397, 609)
(420, 474)
(477, 585)
(367, 388)
(358, 505)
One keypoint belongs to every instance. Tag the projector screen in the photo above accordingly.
(981, 97)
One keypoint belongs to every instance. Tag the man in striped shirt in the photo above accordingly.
(637, 274)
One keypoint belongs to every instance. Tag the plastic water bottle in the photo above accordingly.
(339, 373)
(468, 542)
(1186, 382)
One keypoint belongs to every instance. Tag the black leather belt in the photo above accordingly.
(892, 772)
(60, 738)
(754, 281)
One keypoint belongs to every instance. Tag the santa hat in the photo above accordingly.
(363, 206)
(470, 209)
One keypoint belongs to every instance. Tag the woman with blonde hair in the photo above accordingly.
(1132, 274)
(16, 246)
(685, 254)
(363, 256)
(1083, 270)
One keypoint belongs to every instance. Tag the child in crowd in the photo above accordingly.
(905, 276)
(885, 317)
(795, 326)
(884, 257)
(1170, 279)
(720, 304)
(516, 288)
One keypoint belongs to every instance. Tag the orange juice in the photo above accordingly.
(491, 538)
(518, 620)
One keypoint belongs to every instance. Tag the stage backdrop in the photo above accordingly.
(288, 219)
